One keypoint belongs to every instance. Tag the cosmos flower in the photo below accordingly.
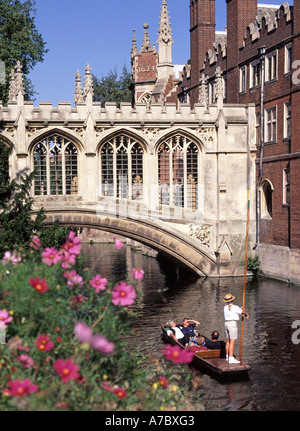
(66, 369)
(123, 294)
(36, 243)
(50, 256)
(40, 285)
(118, 243)
(73, 244)
(177, 355)
(25, 360)
(43, 343)
(11, 258)
(98, 283)
(84, 334)
(20, 388)
(137, 273)
(4, 318)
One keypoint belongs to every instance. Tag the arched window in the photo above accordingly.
(266, 199)
(122, 168)
(178, 175)
(55, 161)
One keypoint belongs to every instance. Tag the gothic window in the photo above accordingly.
(178, 172)
(266, 199)
(122, 168)
(55, 161)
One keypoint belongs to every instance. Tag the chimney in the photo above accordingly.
(240, 13)
(202, 37)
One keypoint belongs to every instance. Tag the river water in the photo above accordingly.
(168, 291)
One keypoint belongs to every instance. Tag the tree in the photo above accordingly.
(19, 40)
(110, 88)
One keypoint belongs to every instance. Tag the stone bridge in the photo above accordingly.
(159, 235)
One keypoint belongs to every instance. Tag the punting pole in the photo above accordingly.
(245, 272)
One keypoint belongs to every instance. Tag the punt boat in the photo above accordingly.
(212, 361)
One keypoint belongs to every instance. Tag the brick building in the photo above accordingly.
(154, 77)
(258, 57)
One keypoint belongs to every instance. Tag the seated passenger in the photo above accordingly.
(199, 347)
(176, 333)
(213, 343)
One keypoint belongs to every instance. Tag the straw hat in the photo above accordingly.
(229, 297)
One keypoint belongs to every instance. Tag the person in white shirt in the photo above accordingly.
(231, 315)
(176, 333)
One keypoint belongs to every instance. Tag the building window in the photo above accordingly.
(122, 168)
(255, 73)
(258, 128)
(271, 66)
(288, 58)
(243, 79)
(212, 92)
(178, 172)
(286, 186)
(287, 120)
(266, 199)
(270, 124)
(55, 160)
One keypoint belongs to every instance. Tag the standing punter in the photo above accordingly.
(231, 316)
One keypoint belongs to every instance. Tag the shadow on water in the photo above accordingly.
(169, 291)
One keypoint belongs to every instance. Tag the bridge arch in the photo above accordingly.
(153, 233)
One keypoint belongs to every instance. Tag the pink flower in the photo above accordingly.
(101, 344)
(36, 243)
(177, 354)
(73, 244)
(120, 392)
(26, 360)
(77, 298)
(83, 332)
(11, 258)
(43, 343)
(67, 259)
(40, 285)
(137, 273)
(4, 318)
(118, 243)
(50, 256)
(70, 274)
(66, 369)
(75, 281)
(19, 388)
(98, 342)
(98, 283)
(123, 294)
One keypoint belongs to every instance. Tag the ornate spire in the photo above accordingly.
(134, 50)
(19, 85)
(164, 31)
(219, 88)
(12, 87)
(164, 41)
(146, 45)
(88, 88)
(203, 93)
(78, 94)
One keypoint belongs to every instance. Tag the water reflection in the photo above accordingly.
(171, 292)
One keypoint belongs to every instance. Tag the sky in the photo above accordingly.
(99, 32)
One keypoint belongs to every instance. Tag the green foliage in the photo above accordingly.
(17, 226)
(16, 223)
(19, 40)
(110, 88)
(152, 386)
(253, 263)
